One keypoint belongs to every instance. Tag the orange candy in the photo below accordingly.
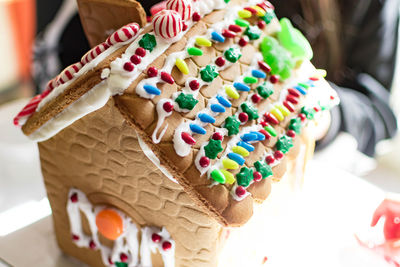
(109, 224)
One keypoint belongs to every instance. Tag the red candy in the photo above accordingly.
(291, 133)
(128, 66)
(293, 92)
(278, 155)
(228, 34)
(156, 238)
(204, 161)
(234, 28)
(217, 136)
(244, 41)
(75, 237)
(302, 117)
(166, 245)
(123, 257)
(266, 134)
(269, 159)
(390, 210)
(264, 123)
(261, 24)
(196, 16)
(220, 61)
(274, 79)
(252, 10)
(140, 51)
(240, 191)
(270, 118)
(166, 77)
(316, 109)
(243, 117)
(135, 59)
(289, 106)
(314, 79)
(264, 66)
(74, 198)
(184, 27)
(92, 245)
(194, 85)
(188, 138)
(255, 98)
(152, 72)
(292, 100)
(257, 176)
(168, 106)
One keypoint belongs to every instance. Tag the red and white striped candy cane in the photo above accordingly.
(183, 7)
(50, 87)
(123, 34)
(94, 52)
(167, 24)
(28, 110)
(68, 73)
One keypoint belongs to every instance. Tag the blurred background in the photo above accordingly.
(39, 38)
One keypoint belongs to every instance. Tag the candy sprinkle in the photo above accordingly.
(150, 89)
(230, 164)
(218, 176)
(241, 87)
(197, 129)
(237, 158)
(223, 101)
(188, 139)
(240, 150)
(229, 178)
(258, 74)
(194, 51)
(231, 92)
(217, 108)
(205, 118)
(201, 41)
(182, 66)
(250, 80)
(217, 37)
(244, 14)
(242, 22)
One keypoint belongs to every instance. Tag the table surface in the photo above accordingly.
(316, 228)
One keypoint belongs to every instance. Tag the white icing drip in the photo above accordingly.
(162, 114)
(153, 158)
(127, 243)
(105, 73)
(181, 148)
(199, 155)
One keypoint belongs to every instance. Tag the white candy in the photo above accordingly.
(183, 7)
(167, 24)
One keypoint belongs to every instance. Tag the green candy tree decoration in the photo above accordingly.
(284, 144)
(213, 148)
(148, 42)
(263, 168)
(232, 125)
(244, 177)
(186, 101)
(209, 73)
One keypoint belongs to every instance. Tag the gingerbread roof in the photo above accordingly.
(219, 91)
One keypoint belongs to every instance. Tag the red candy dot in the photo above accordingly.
(332, 97)
(217, 136)
(291, 133)
(188, 139)
(244, 41)
(302, 117)
(152, 72)
(316, 109)
(220, 61)
(269, 159)
(194, 85)
(135, 59)
(123, 257)
(74, 198)
(261, 24)
(140, 51)
(128, 66)
(75, 237)
(274, 79)
(257, 176)
(314, 79)
(196, 16)
(168, 106)
(92, 245)
(234, 28)
(243, 117)
(240, 191)
(166, 245)
(278, 155)
(204, 162)
(252, 10)
(185, 26)
(110, 261)
(156, 238)
(255, 98)
(264, 123)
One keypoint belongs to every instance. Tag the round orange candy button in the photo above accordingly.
(109, 224)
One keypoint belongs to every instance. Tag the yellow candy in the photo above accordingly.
(182, 66)
(229, 178)
(260, 12)
(231, 92)
(321, 73)
(240, 150)
(244, 14)
(230, 164)
(285, 112)
(201, 41)
(277, 114)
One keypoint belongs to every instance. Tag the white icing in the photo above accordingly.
(126, 243)
(181, 148)
(105, 73)
(162, 114)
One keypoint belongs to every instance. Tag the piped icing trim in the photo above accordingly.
(126, 248)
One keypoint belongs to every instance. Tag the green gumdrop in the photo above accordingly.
(294, 41)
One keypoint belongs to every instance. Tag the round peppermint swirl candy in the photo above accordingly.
(68, 73)
(123, 34)
(167, 24)
(94, 52)
(183, 7)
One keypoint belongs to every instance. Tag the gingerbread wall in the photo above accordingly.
(100, 155)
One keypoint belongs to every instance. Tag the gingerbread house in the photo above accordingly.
(168, 133)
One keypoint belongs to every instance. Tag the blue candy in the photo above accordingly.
(197, 129)
(245, 145)
(249, 137)
(217, 108)
(223, 101)
(217, 37)
(205, 118)
(258, 74)
(152, 89)
(260, 136)
(300, 89)
(236, 157)
(241, 87)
